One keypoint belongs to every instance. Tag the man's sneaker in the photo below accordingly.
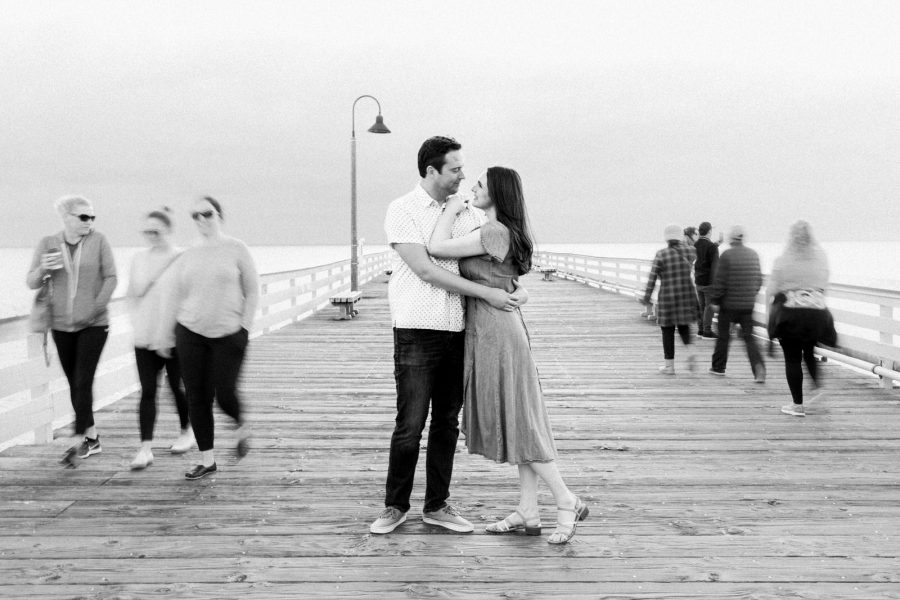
(795, 410)
(711, 335)
(70, 458)
(449, 518)
(717, 373)
(667, 370)
(89, 446)
(142, 460)
(200, 471)
(389, 519)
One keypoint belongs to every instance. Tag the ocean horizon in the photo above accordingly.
(868, 264)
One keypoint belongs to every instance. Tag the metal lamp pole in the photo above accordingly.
(378, 127)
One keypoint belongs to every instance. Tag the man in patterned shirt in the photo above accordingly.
(427, 314)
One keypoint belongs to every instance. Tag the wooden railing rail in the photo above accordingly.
(34, 398)
(866, 318)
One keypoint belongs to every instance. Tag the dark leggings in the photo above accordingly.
(79, 352)
(795, 354)
(668, 335)
(210, 369)
(149, 365)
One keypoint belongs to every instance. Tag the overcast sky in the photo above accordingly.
(620, 116)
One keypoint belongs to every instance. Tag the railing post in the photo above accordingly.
(43, 434)
(887, 338)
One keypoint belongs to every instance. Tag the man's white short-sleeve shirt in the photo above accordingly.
(416, 304)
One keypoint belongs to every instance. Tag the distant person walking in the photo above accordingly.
(425, 295)
(737, 281)
(799, 317)
(676, 305)
(79, 263)
(504, 416)
(145, 296)
(215, 294)
(704, 271)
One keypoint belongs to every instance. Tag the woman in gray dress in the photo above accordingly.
(504, 417)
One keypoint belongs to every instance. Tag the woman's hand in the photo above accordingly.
(455, 204)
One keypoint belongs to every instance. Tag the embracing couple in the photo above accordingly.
(459, 336)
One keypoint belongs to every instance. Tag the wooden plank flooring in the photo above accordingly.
(698, 486)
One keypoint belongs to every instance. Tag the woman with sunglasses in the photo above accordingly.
(215, 292)
(149, 275)
(78, 262)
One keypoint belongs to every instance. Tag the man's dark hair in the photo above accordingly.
(434, 151)
(705, 227)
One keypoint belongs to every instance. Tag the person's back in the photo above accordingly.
(739, 278)
(707, 256)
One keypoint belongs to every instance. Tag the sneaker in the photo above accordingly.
(184, 442)
(200, 471)
(716, 373)
(448, 517)
(711, 335)
(667, 370)
(142, 460)
(70, 458)
(389, 519)
(89, 446)
(795, 410)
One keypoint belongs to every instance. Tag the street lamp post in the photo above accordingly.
(378, 127)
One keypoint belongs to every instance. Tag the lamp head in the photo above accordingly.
(379, 126)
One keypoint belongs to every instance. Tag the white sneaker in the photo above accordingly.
(184, 442)
(142, 460)
(449, 518)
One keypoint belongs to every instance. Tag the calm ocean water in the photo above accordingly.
(871, 264)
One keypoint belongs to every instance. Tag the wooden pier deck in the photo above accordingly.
(698, 486)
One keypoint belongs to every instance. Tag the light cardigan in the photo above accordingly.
(149, 279)
(214, 290)
(83, 287)
(792, 271)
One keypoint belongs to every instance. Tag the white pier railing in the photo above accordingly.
(34, 396)
(866, 318)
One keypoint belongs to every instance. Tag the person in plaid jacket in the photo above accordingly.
(677, 304)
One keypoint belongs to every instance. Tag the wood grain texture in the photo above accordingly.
(699, 487)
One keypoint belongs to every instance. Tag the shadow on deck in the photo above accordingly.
(699, 487)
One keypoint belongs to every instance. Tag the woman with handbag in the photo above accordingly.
(78, 262)
(799, 317)
(149, 276)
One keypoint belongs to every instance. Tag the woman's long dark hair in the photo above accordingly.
(505, 190)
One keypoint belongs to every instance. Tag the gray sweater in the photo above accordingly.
(83, 287)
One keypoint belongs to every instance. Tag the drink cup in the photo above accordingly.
(53, 259)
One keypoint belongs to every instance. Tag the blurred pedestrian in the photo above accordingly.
(676, 306)
(737, 281)
(145, 295)
(704, 271)
(79, 264)
(799, 316)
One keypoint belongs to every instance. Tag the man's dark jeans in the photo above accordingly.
(428, 368)
(744, 318)
(705, 314)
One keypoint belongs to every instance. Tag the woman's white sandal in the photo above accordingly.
(508, 525)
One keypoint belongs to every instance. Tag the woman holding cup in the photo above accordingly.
(79, 262)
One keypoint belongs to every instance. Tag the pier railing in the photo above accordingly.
(34, 395)
(866, 318)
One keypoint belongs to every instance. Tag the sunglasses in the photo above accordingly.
(206, 214)
(150, 232)
(84, 218)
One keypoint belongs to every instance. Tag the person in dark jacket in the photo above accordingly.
(676, 306)
(704, 271)
(737, 281)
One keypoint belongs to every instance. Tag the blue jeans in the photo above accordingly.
(428, 369)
